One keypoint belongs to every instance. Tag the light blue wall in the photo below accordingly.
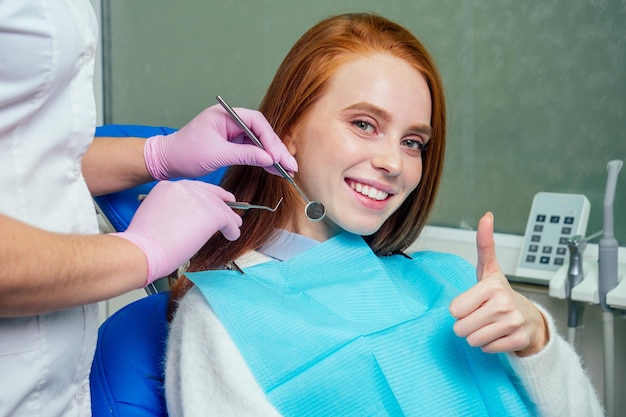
(536, 89)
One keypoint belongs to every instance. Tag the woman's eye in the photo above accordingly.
(415, 145)
(363, 125)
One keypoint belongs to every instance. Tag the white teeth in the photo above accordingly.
(371, 192)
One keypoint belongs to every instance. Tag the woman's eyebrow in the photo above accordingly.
(385, 115)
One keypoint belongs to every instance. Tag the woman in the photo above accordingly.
(331, 318)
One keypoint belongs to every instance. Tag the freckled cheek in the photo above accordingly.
(316, 162)
(314, 173)
(413, 175)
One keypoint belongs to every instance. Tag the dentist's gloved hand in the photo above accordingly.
(176, 219)
(213, 140)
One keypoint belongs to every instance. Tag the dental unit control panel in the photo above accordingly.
(553, 220)
(602, 266)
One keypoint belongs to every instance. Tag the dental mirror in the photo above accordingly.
(314, 210)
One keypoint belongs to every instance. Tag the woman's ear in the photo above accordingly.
(290, 143)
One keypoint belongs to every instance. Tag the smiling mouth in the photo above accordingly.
(368, 191)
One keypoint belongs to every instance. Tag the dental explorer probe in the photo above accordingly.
(239, 205)
(314, 210)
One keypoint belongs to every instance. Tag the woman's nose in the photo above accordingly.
(388, 158)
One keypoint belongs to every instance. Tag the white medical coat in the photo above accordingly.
(47, 121)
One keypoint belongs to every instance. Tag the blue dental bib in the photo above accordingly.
(339, 331)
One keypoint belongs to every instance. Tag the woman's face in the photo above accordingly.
(359, 150)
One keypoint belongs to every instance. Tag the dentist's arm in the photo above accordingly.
(43, 271)
(208, 142)
(493, 316)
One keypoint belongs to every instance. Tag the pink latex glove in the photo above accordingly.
(176, 219)
(213, 140)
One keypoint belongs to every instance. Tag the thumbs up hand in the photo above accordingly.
(491, 315)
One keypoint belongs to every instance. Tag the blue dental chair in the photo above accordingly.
(127, 371)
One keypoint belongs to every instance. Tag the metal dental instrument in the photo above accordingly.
(314, 210)
(234, 204)
(247, 206)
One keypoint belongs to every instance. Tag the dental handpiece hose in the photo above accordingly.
(607, 280)
(575, 309)
(608, 245)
